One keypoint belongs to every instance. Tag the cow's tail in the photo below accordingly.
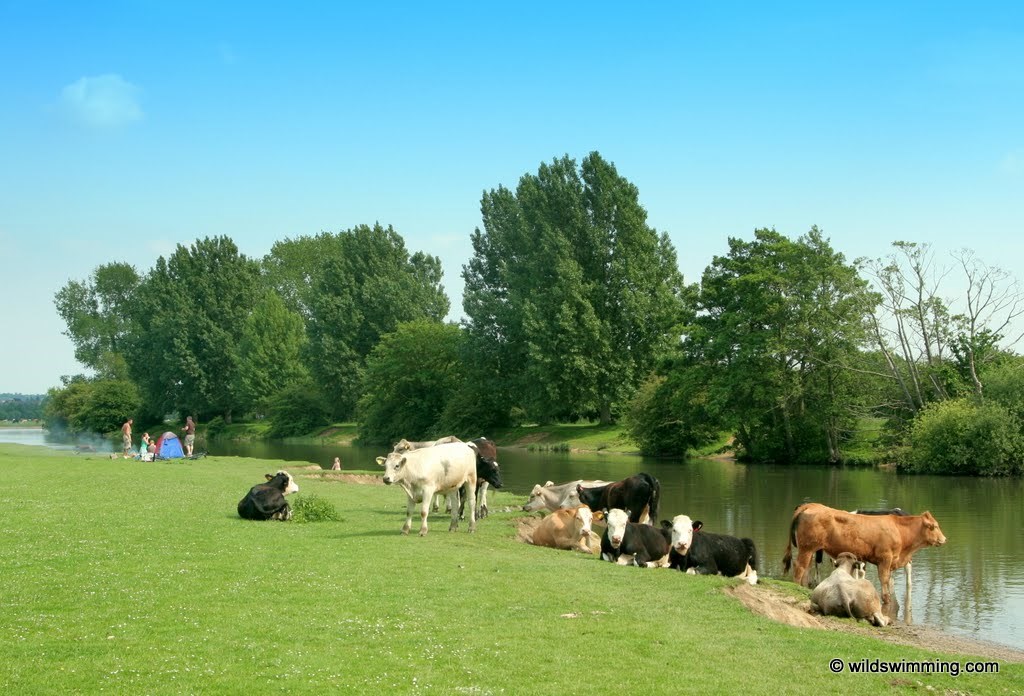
(654, 499)
(751, 553)
(787, 559)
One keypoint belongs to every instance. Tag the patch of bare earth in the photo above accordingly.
(779, 606)
(530, 439)
(525, 527)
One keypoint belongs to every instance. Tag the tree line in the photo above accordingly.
(574, 309)
(19, 407)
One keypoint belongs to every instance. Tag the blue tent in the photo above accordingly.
(169, 447)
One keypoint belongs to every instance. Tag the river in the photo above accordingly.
(972, 586)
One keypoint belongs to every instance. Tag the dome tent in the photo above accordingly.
(169, 447)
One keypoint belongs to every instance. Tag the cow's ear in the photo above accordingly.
(549, 483)
(402, 463)
(268, 476)
(598, 514)
(666, 524)
(629, 514)
(579, 489)
(835, 562)
(697, 525)
(380, 461)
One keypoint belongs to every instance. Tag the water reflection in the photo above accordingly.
(974, 585)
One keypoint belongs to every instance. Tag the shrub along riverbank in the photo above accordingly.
(140, 578)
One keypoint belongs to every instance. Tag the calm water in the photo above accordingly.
(974, 585)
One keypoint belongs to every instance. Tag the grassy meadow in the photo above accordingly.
(139, 578)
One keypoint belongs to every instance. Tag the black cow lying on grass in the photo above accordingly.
(704, 553)
(265, 501)
(632, 543)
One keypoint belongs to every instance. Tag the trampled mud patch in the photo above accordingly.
(525, 527)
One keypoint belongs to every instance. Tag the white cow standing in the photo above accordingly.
(438, 469)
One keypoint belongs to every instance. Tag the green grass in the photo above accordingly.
(135, 578)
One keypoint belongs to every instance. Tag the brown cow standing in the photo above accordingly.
(888, 541)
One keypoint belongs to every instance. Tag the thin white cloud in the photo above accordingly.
(102, 101)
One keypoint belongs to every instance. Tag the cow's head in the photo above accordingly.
(848, 562)
(616, 520)
(536, 500)
(402, 445)
(682, 532)
(587, 496)
(933, 536)
(394, 465)
(584, 518)
(286, 482)
(488, 470)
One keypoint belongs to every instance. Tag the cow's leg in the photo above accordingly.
(471, 492)
(410, 503)
(428, 495)
(454, 504)
(803, 561)
(749, 575)
(906, 612)
(885, 580)
(481, 497)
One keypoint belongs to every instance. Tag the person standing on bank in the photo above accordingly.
(126, 438)
(190, 435)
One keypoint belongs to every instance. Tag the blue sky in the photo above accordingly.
(128, 128)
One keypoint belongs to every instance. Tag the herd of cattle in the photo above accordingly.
(463, 471)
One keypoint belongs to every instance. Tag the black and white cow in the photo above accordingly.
(698, 552)
(632, 543)
(265, 501)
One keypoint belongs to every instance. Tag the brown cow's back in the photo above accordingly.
(868, 537)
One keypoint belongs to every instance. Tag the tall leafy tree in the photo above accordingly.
(98, 317)
(360, 292)
(781, 323)
(409, 378)
(292, 265)
(190, 312)
(570, 292)
(271, 341)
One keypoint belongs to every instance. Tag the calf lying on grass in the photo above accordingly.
(633, 543)
(568, 529)
(847, 593)
(704, 553)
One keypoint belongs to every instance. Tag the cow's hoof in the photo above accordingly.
(423, 532)
(405, 531)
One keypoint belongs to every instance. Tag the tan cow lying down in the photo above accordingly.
(847, 593)
(888, 541)
(568, 529)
